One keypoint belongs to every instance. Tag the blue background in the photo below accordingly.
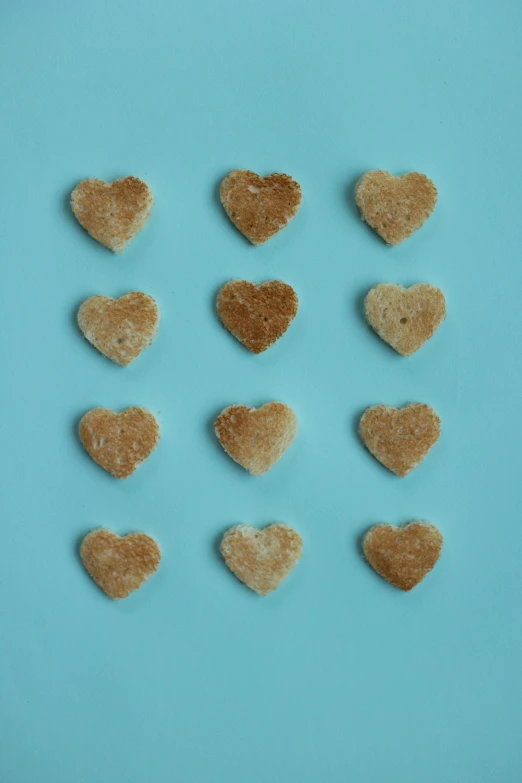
(337, 676)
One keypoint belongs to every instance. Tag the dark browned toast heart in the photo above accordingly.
(260, 207)
(257, 315)
(403, 555)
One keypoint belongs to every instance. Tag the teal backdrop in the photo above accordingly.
(337, 677)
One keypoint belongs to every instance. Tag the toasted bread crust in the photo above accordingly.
(403, 555)
(112, 212)
(119, 442)
(400, 438)
(256, 439)
(120, 328)
(119, 565)
(257, 315)
(395, 207)
(405, 318)
(260, 207)
(262, 559)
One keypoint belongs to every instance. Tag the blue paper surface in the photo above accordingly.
(337, 676)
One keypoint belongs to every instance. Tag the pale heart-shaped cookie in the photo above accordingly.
(403, 555)
(112, 212)
(262, 559)
(119, 565)
(256, 438)
(120, 328)
(400, 438)
(119, 442)
(257, 315)
(405, 318)
(260, 207)
(395, 207)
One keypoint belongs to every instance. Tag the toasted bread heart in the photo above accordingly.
(403, 555)
(260, 207)
(262, 559)
(405, 318)
(395, 207)
(256, 439)
(119, 442)
(400, 438)
(120, 328)
(112, 212)
(257, 315)
(119, 565)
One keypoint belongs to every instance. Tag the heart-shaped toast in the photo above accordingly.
(400, 438)
(257, 315)
(260, 207)
(119, 564)
(403, 555)
(395, 207)
(120, 328)
(405, 318)
(112, 212)
(262, 559)
(119, 442)
(256, 438)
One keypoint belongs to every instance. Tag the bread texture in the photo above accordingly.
(112, 212)
(119, 442)
(119, 565)
(262, 559)
(403, 555)
(395, 207)
(257, 315)
(260, 207)
(405, 318)
(120, 328)
(256, 438)
(400, 438)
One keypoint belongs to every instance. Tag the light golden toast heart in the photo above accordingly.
(120, 328)
(257, 315)
(112, 212)
(262, 559)
(405, 318)
(403, 555)
(260, 207)
(256, 439)
(400, 438)
(395, 207)
(119, 565)
(119, 442)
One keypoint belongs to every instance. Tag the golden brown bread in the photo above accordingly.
(119, 565)
(256, 439)
(405, 318)
(403, 555)
(120, 328)
(262, 559)
(257, 315)
(112, 212)
(400, 438)
(395, 207)
(260, 207)
(119, 442)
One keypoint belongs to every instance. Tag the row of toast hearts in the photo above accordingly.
(259, 207)
(261, 558)
(258, 315)
(257, 438)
